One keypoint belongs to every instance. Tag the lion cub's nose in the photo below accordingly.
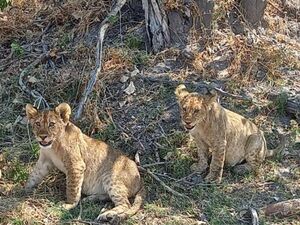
(43, 137)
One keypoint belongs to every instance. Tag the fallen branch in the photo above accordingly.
(169, 189)
(200, 85)
(86, 222)
(95, 73)
(38, 98)
(156, 164)
(282, 209)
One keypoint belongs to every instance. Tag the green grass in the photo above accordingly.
(90, 211)
(18, 172)
(4, 4)
(17, 49)
(141, 58)
(218, 205)
(133, 42)
(280, 103)
(110, 132)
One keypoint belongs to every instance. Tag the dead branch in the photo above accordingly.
(282, 209)
(200, 85)
(38, 98)
(169, 189)
(86, 222)
(96, 72)
(156, 164)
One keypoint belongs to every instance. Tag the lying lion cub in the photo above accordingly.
(227, 136)
(91, 166)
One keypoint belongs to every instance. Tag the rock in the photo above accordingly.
(253, 10)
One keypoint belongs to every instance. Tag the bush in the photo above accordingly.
(4, 4)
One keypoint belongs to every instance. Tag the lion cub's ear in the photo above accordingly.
(211, 96)
(64, 110)
(181, 91)
(31, 112)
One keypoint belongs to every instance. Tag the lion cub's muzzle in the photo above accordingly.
(188, 126)
(44, 140)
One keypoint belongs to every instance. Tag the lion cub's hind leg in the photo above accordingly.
(254, 155)
(118, 193)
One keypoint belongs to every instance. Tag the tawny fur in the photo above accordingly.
(91, 166)
(227, 137)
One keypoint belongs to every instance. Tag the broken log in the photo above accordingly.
(282, 209)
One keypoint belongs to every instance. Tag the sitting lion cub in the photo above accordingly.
(227, 136)
(91, 166)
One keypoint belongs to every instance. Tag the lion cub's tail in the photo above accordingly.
(138, 200)
(278, 150)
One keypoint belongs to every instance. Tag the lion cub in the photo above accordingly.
(91, 166)
(228, 137)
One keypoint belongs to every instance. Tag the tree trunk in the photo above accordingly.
(156, 24)
(170, 22)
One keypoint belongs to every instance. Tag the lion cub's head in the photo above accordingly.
(193, 106)
(48, 125)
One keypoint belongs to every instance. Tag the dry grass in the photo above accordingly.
(19, 19)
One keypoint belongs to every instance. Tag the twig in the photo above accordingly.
(156, 164)
(38, 98)
(162, 183)
(188, 176)
(201, 85)
(86, 222)
(95, 73)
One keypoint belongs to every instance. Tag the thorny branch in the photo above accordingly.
(38, 98)
(201, 85)
(169, 189)
(99, 55)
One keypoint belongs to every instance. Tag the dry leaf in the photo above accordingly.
(122, 103)
(124, 79)
(130, 89)
(135, 72)
(32, 79)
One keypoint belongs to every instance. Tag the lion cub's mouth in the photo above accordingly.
(45, 143)
(189, 127)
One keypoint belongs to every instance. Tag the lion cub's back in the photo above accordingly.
(240, 124)
(105, 164)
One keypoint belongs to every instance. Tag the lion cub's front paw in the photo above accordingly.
(199, 167)
(68, 206)
(213, 178)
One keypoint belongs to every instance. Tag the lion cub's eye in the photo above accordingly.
(196, 110)
(51, 124)
(38, 124)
